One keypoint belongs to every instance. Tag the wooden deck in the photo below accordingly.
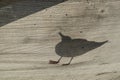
(29, 33)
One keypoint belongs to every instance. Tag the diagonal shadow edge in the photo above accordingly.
(19, 9)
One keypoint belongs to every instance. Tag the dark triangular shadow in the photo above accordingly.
(7, 2)
(17, 9)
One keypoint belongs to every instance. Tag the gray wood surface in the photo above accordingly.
(29, 32)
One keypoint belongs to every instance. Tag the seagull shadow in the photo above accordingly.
(69, 47)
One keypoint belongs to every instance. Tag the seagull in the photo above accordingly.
(69, 47)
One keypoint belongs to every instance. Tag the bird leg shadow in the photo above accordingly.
(68, 63)
(55, 62)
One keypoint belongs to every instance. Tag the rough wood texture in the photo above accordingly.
(29, 32)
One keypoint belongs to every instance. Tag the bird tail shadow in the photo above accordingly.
(104, 42)
(101, 43)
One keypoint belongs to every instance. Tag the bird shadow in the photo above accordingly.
(69, 47)
(12, 10)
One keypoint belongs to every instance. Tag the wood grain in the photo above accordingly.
(27, 43)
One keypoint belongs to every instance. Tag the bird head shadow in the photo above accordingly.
(65, 38)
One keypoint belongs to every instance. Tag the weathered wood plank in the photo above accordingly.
(27, 41)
